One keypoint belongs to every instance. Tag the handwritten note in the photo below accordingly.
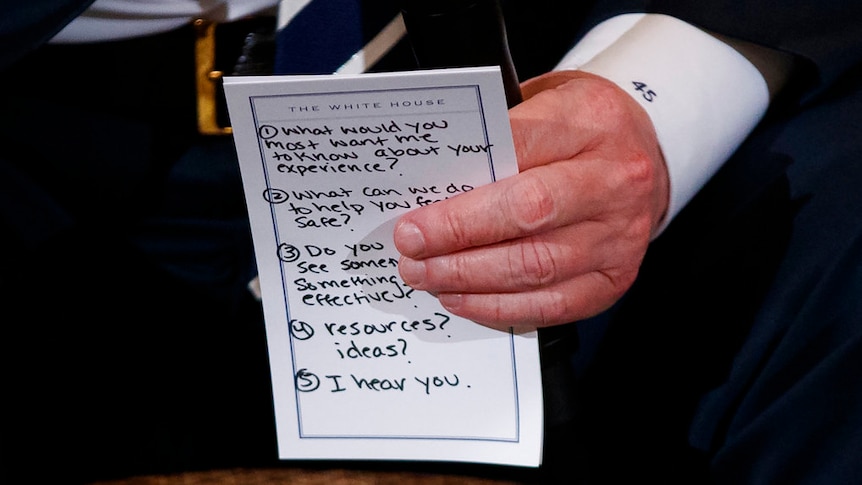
(363, 366)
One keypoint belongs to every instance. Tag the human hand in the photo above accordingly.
(563, 239)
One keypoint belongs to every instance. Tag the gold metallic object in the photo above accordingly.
(207, 79)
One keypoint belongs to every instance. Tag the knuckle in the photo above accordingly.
(530, 203)
(533, 263)
(609, 101)
(553, 309)
(457, 274)
(458, 228)
(638, 172)
(640, 229)
(619, 281)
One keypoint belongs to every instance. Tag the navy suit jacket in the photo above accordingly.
(27, 25)
(717, 280)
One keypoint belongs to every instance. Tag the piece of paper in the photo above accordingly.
(364, 367)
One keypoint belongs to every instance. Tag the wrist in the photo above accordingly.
(701, 95)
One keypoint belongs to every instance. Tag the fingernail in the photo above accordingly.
(450, 301)
(412, 272)
(409, 239)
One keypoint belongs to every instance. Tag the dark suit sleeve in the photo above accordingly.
(768, 392)
(27, 25)
(825, 36)
(828, 35)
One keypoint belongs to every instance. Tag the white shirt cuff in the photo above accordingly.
(702, 96)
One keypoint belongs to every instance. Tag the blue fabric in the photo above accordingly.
(326, 33)
(320, 38)
(26, 25)
(736, 356)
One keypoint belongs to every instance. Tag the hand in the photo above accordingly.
(563, 239)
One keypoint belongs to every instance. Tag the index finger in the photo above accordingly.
(529, 203)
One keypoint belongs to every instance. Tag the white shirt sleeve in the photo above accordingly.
(702, 96)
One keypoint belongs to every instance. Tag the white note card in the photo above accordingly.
(364, 367)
